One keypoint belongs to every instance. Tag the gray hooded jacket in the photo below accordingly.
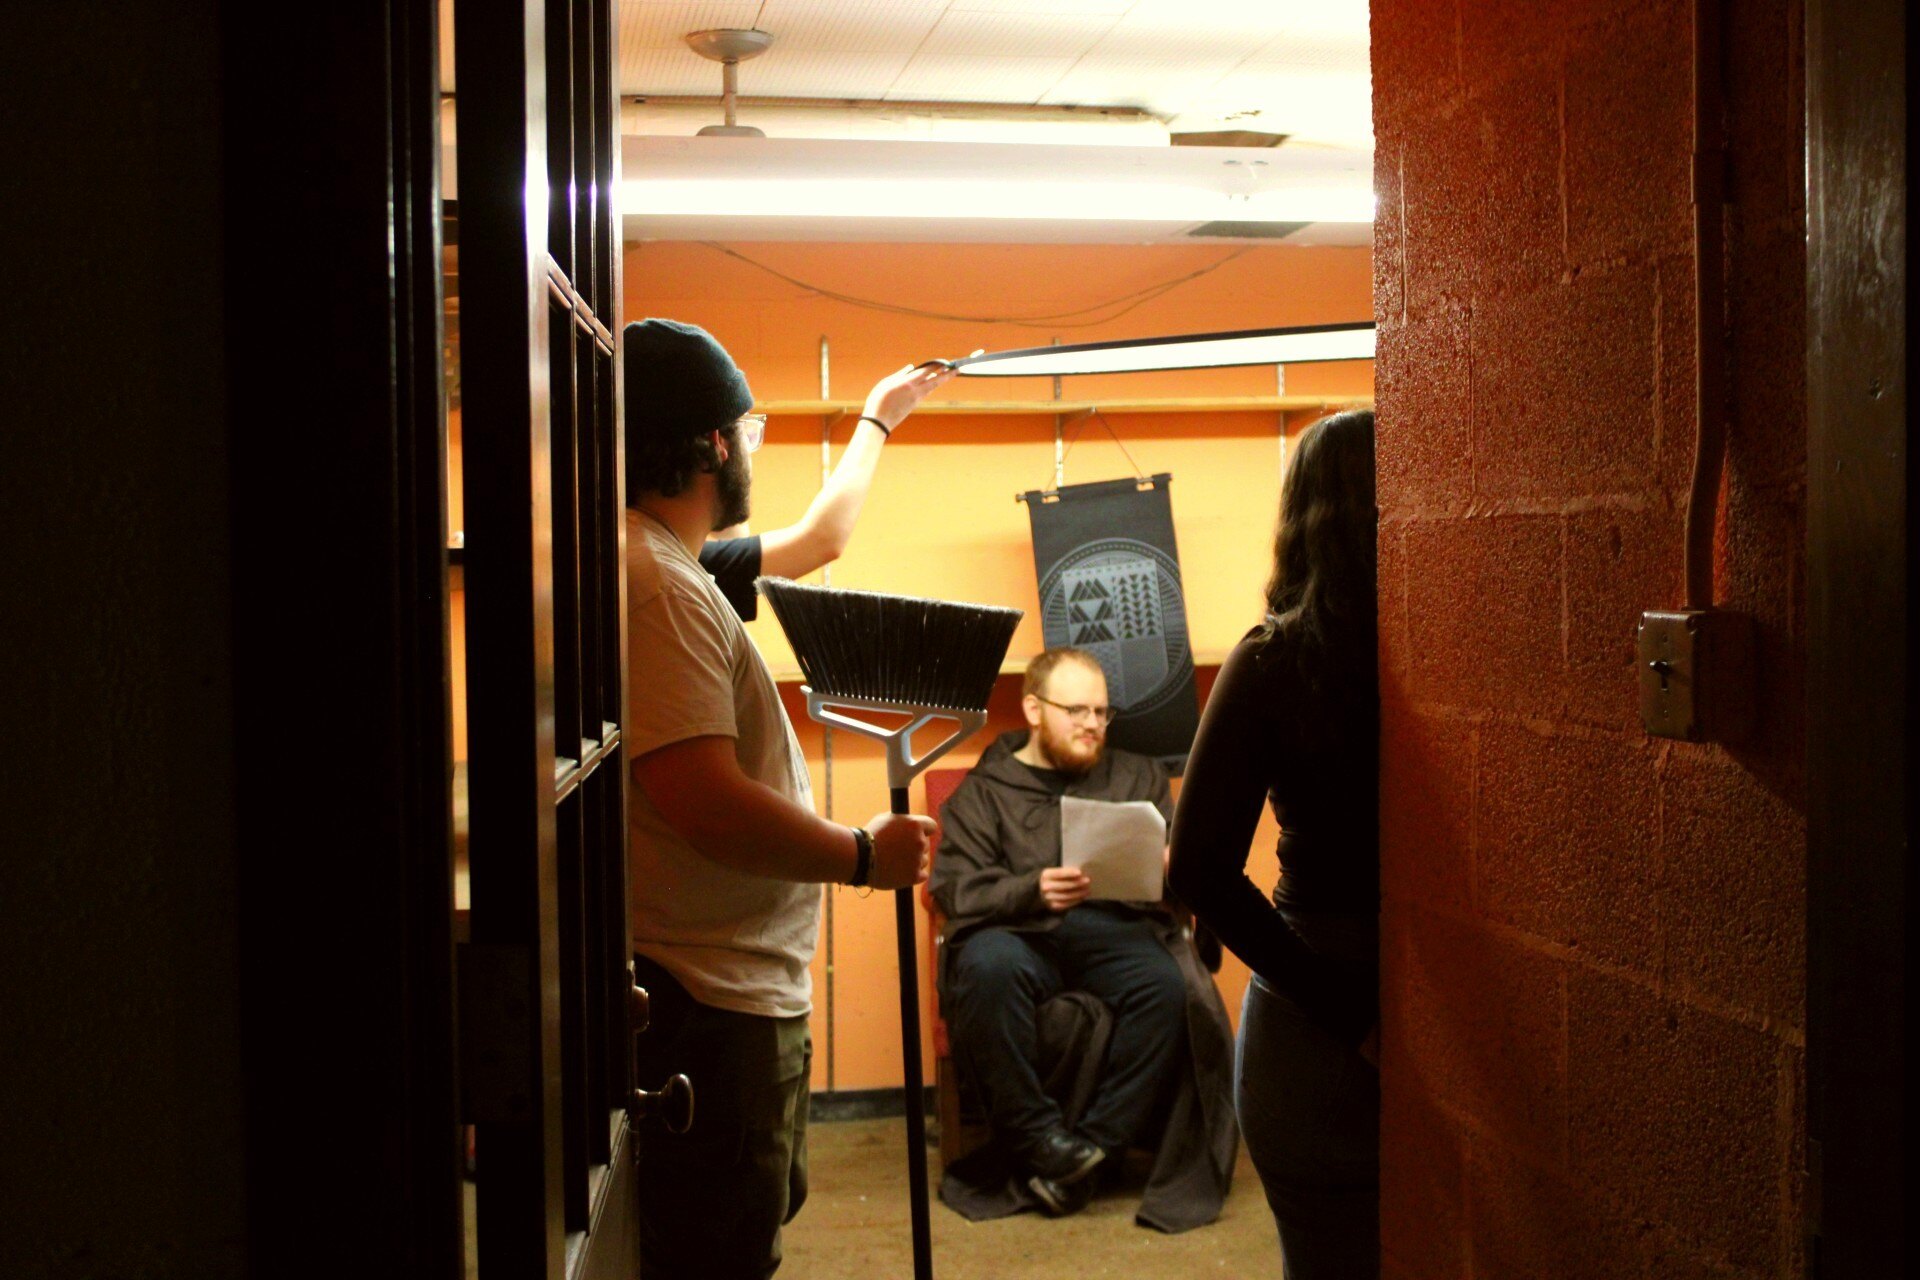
(998, 831)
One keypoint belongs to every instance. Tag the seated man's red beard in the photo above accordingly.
(1074, 751)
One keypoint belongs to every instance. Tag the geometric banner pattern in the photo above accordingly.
(1109, 576)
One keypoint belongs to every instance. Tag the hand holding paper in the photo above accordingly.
(1119, 846)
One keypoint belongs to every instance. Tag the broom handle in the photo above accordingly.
(916, 1087)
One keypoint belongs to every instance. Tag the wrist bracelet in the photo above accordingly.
(862, 858)
(885, 430)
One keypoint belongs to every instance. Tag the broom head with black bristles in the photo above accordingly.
(933, 660)
(907, 651)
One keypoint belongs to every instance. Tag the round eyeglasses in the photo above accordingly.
(753, 430)
(1099, 715)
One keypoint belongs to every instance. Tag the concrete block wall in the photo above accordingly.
(1593, 951)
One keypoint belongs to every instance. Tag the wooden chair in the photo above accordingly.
(963, 1125)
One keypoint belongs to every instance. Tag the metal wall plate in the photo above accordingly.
(1668, 673)
(1696, 674)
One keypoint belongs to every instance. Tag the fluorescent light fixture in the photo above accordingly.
(907, 197)
(1300, 345)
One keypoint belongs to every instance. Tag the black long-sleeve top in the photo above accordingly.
(1270, 736)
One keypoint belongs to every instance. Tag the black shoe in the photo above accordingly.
(1056, 1200)
(1063, 1158)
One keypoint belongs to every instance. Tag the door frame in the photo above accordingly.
(336, 386)
(1859, 569)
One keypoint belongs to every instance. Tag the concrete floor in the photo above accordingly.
(855, 1226)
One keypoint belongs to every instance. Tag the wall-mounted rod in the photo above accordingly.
(826, 730)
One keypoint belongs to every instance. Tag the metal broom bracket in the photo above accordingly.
(902, 765)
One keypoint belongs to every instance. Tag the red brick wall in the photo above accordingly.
(1592, 940)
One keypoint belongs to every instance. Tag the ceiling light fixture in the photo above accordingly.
(1301, 344)
(907, 197)
(730, 46)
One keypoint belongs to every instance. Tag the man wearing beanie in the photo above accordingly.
(726, 856)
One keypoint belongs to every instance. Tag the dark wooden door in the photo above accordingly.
(1860, 562)
(546, 987)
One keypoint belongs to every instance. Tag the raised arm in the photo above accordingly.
(821, 535)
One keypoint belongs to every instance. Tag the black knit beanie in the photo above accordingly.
(680, 381)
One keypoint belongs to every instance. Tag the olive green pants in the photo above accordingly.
(712, 1200)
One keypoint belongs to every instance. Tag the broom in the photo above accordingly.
(925, 659)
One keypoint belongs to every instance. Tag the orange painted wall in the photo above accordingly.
(942, 519)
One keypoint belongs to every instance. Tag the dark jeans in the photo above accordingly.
(712, 1200)
(1309, 1108)
(1000, 977)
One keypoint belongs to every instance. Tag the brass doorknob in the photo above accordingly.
(642, 1009)
(672, 1106)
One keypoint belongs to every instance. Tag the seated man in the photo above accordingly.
(1020, 930)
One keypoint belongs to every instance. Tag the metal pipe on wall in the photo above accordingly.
(1709, 299)
(826, 730)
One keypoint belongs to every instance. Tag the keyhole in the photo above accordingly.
(1665, 669)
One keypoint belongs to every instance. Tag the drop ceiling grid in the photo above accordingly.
(1327, 17)
(1273, 57)
(1307, 103)
(863, 26)
(820, 73)
(958, 78)
(1110, 8)
(1012, 33)
(1345, 53)
(662, 24)
(1195, 22)
(1165, 86)
(675, 71)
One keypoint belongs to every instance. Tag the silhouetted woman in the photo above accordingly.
(1294, 721)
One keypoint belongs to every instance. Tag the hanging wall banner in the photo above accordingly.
(1109, 577)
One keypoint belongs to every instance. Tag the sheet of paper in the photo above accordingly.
(1119, 846)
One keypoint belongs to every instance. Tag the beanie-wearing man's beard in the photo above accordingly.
(1073, 751)
(732, 487)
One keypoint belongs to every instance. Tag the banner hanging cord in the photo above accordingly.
(1093, 415)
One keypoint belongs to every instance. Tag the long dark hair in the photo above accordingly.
(1321, 595)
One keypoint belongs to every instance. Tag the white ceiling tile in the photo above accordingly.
(1244, 24)
(653, 71)
(1304, 59)
(1161, 85)
(1011, 33)
(868, 26)
(660, 24)
(1331, 17)
(1164, 38)
(1108, 7)
(1302, 103)
(944, 77)
(1224, 15)
(1347, 52)
(819, 73)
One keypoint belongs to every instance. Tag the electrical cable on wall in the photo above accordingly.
(1127, 302)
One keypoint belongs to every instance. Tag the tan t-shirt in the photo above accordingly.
(735, 941)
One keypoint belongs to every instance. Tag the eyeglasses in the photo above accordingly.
(1099, 715)
(753, 430)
